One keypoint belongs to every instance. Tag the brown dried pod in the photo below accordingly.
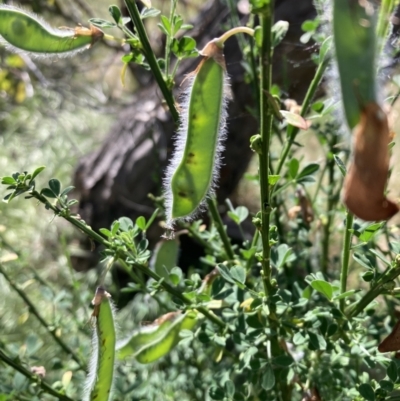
(392, 341)
(367, 176)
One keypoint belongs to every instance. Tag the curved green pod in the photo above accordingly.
(26, 32)
(194, 167)
(155, 341)
(355, 48)
(101, 369)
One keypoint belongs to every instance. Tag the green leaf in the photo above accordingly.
(283, 360)
(293, 168)
(225, 273)
(238, 273)
(362, 260)
(367, 391)
(307, 171)
(105, 232)
(392, 371)
(325, 49)
(279, 31)
(184, 47)
(345, 295)
(340, 164)
(165, 25)
(125, 224)
(55, 186)
(370, 231)
(151, 219)
(178, 21)
(258, 36)
(37, 172)
(380, 256)
(67, 190)
(115, 13)
(299, 339)
(187, 26)
(268, 378)
(149, 12)
(229, 389)
(175, 275)
(48, 193)
(317, 342)
(310, 25)
(281, 255)
(386, 385)
(259, 6)
(239, 214)
(323, 287)
(101, 23)
(216, 393)
(141, 223)
(8, 180)
(273, 179)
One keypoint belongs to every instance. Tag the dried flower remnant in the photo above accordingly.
(366, 179)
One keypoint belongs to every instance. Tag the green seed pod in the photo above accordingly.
(355, 44)
(152, 342)
(101, 367)
(194, 168)
(23, 31)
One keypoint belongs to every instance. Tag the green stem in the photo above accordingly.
(73, 220)
(348, 234)
(220, 228)
(174, 291)
(92, 234)
(330, 214)
(252, 246)
(169, 38)
(376, 289)
(266, 117)
(234, 31)
(50, 329)
(151, 58)
(32, 377)
(293, 131)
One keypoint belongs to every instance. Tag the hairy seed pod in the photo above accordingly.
(194, 168)
(23, 31)
(101, 368)
(157, 339)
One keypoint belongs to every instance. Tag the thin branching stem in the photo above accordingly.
(169, 38)
(348, 234)
(70, 218)
(293, 131)
(33, 377)
(49, 328)
(151, 58)
(212, 205)
(177, 293)
(378, 287)
(266, 120)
